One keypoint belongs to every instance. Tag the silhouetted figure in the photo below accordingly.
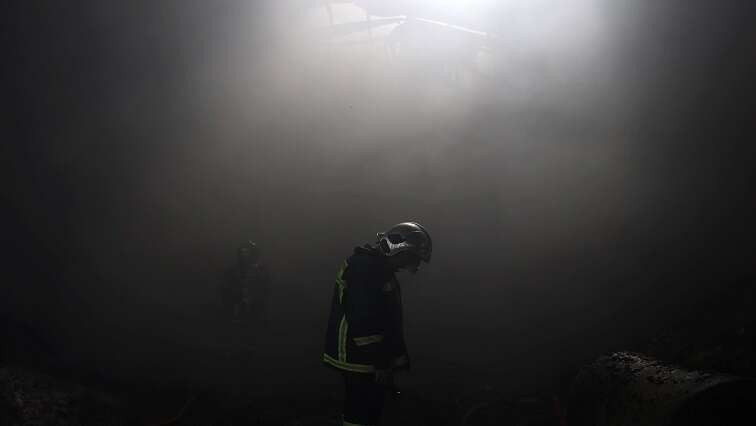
(245, 286)
(365, 338)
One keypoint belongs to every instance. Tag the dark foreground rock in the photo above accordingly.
(32, 398)
(627, 388)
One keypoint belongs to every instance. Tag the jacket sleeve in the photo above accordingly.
(367, 315)
(393, 342)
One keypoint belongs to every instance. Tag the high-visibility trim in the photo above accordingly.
(356, 368)
(366, 340)
(343, 327)
(340, 281)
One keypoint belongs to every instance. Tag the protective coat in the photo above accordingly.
(365, 330)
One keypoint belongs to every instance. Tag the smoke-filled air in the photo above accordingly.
(213, 206)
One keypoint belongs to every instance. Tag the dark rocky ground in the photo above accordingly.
(37, 388)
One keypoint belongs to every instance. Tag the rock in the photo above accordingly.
(627, 388)
(28, 397)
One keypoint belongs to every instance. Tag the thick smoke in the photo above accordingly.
(577, 164)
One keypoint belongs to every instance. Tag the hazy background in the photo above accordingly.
(586, 177)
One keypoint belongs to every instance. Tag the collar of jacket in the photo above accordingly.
(377, 256)
(369, 249)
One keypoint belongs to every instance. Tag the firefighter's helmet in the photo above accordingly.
(248, 252)
(406, 236)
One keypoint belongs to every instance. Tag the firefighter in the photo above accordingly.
(245, 285)
(365, 339)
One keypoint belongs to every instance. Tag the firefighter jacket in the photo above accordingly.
(365, 330)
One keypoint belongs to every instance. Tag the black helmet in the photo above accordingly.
(406, 236)
(248, 252)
